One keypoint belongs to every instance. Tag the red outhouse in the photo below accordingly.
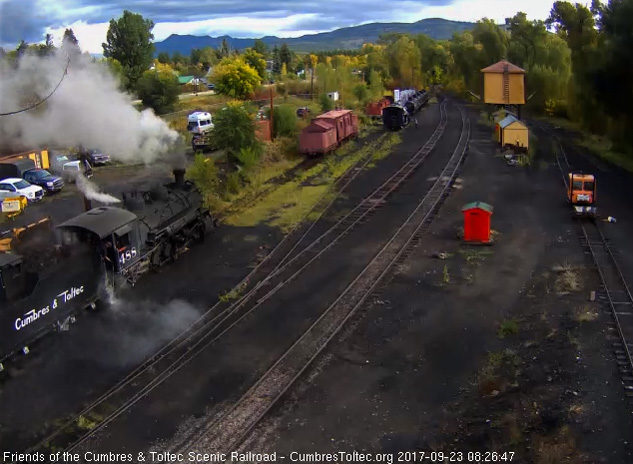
(477, 222)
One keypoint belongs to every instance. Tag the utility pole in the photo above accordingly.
(272, 111)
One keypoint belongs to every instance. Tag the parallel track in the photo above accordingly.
(229, 431)
(614, 290)
(191, 342)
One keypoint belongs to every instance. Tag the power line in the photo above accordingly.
(43, 100)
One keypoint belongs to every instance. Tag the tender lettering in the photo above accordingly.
(33, 315)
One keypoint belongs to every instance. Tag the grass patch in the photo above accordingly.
(586, 314)
(232, 294)
(499, 372)
(601, 146)
(484, 119)
(508, 327)
(85, 424)
(561, 447)
(567, 279)
(283, 208)
(288, 203)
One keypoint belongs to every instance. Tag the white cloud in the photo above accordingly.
(91, 36)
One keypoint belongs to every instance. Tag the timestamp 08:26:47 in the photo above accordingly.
(455, 456)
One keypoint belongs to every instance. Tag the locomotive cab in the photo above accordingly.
(12, 277)
(581, 193)
(113, 232)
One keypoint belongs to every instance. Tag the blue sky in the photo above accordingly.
(31, 19)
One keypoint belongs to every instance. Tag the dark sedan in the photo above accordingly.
(44, 179)
(98, 158)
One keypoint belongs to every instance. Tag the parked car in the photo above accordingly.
(211, 86)
(71, 169)
(44, 179)
(97, 157)
(14, 187)
(303, 112)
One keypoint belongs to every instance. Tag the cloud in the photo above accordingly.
(238, 18)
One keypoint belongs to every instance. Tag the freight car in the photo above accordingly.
(416, 102)
(327, 131)
(374, 110)
(48, 278)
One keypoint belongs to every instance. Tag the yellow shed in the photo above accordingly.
(504, 84)
(511, 131)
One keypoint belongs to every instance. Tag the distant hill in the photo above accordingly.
(345, 38)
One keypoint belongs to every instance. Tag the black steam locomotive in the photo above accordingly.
(47, 277)
(396, 116)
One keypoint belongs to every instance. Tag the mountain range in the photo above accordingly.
(346, 38)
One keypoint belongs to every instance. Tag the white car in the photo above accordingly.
(14, 187)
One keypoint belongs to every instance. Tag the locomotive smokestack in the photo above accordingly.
(179, 175)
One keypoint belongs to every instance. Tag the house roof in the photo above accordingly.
(333, 114)
(319, 125)
(478, 204)
(500, 68)
(505, 122)
(185, 79)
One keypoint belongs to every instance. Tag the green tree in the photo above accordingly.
(276, 61)
(256, 61)
(117, 71)
(284, 121)
(234, 77)
(285, 56)
(208, 57)
(493, 39)
(158, 90)
(196, 55)
(129, 41)
(224, 49)
(405, 61)
(203, 172)
(376, 87)
(234, 128)
(326, 103)
(361, 93)
(69, 37)
(260, 47)
(163, 57)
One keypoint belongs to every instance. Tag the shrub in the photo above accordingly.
(204, 174)
(284, 121)
(326, 103)
(233, 183)
(248, 157)
(234, 129)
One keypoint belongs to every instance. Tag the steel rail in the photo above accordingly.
(181, 340)
(264, 394)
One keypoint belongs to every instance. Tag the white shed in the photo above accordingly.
(333, 96)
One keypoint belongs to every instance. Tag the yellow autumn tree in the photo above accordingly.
(234, 77)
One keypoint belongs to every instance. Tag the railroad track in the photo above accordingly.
(230, 430)
(217, 321)
(614, 290)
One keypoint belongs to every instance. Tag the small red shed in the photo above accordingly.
(477, 222)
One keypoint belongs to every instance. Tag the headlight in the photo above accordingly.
(49, 184)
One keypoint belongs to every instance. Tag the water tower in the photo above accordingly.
(504, 85)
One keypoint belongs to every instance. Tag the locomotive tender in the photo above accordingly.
(48, 279)
(398, 115)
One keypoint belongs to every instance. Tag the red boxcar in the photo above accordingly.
(375, 109)
(327, 131)
(318, 138)
(345, 121)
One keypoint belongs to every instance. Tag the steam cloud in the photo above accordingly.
(91, 191)
(87, 109)
(134, 330)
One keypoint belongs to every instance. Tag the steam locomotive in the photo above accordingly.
(48, 277)
(398, 115)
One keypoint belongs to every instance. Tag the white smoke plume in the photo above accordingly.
(91, 191)
(130, 331)
(87, 109)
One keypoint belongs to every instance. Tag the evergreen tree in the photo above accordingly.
(276, 61)
(224, 49)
